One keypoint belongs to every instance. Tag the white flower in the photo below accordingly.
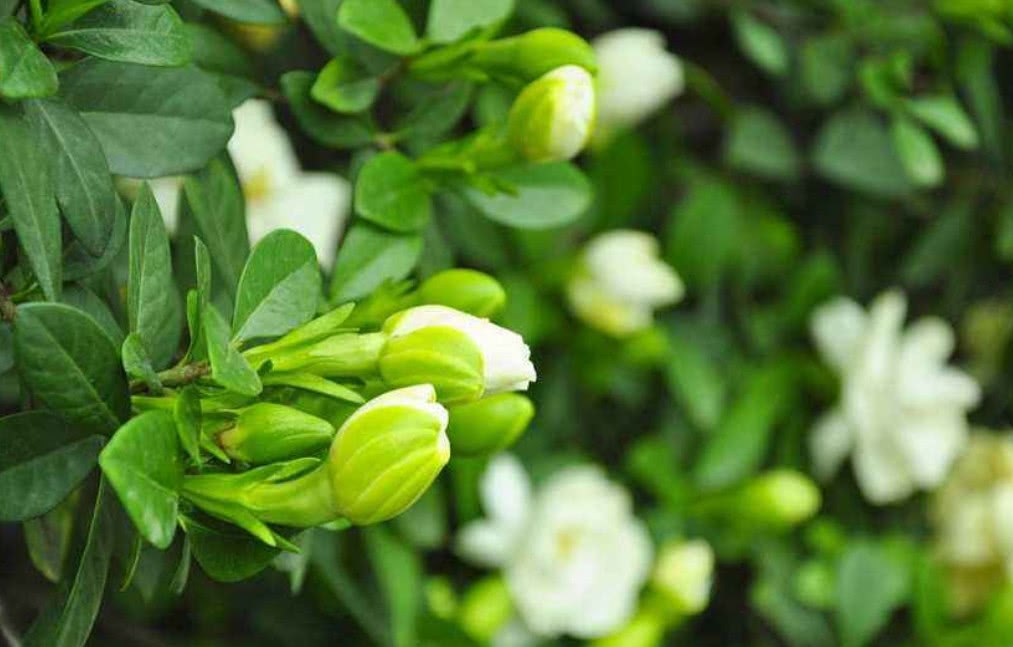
(621, 281)
(973, 516)
(574, 556)
(684, 574)
(553, 116)
(636, 76)
(902, 410)
(506, 359)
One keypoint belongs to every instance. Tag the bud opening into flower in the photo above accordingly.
(553, 117)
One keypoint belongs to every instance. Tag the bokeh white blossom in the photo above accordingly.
(573, 554)
(902, 413)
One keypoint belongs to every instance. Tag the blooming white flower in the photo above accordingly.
(973, 516)
(636, 76)
(902, 411)
(553, 116)
(506, 359)
(620, 281)
(573, 555)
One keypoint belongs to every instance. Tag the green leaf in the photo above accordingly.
(137, 364)
(187, 413)
(214, 200)
(228, 367)
(79, 171)
(313, 384)
(368, 258)
(917, 152)
(945, 115)
(826, 67)
(537, 196)
(870, 585)
(322, 18)
(43, 460)
(153, 305)
(344, 86)
(78, 263)
(382, 23)
(434, 114)
(31, 203)
(399, 572)
(695, 381)
(48, 538)
(854, 150)
(151, 121)
(142, 463)
(710, 211)
(91, 304)
(262, 12)
(449, 20)
(68, 621)
(321, 124)
(71, 366)
(61, 12)
(390, 192)
(279, 289)
(123, 30)
(761, 43)
(225, 554)
(215, 52)
(25, 72)
(759, 143)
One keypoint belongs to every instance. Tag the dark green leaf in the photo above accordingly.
(228, 367)
(137, 364)
(382, 23)
(854, 150)
(151, 122)
(279, 289)
(153, 305)
(759, 143)
(43, 459)
(28, 192)
(344, 86)
(227, 555)
(695, 381)
(123, 30)
(321, 124)
(827, 67)
(449, 20)
(870, 585)
(538, 196)
(391, 193)
(710, 211)
(142, 463)
(215, 202)
(399, 572)
(78, 263)
(89, 303)
(61, 12)
(249, 11)
(368, 258)
(946, 116)
(917, 152)
(188, 420)
(25, 72)
(322, 18)
(761, 43)
(70, 365)
(48, 538)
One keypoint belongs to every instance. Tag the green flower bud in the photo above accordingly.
(267, 433)
(469, 291)
(489, 425)
(553, 117)
(340, 355)
(388, 453)
(485, 609)
(645, 629)
(528, 56)
(682, 576)
(779, 498)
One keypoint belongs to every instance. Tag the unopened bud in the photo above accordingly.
(683, 574)
(553, 117)
(525, 57)
(485, 609)
(489, 425)
(475, 293)
(267, 433)
(780, 498)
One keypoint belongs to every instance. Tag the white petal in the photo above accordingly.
(260, 148)
(937, 387)
(514, 634)
(882, 337)
(881, 471)
(830, 442)
(506, 492)
(928, 341)
(485, 543)
(166, 191)
(931, 443)
(837, 327)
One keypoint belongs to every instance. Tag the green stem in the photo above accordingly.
(36, 8)
(343, 355)
(177, 375)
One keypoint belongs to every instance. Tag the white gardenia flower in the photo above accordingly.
(553, 116)
(902, 410)
(506, 359)
(573, 555)
(636, 76)
(973, 516)
(621, 281)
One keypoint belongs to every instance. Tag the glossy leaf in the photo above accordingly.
(321, 124)
(382, 23)
(228, 367)
(343, 86)
(536, 196)
(870, 585)
(227, 555)
(25, 72)
(449, 20)
(370, 257)
(854, 150)
(263, 12)
(390, 192)
(214, 200)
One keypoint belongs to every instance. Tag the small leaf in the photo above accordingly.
(695, 381)
(382, 23)
(214, 200)
(262, 12)
(225, 554)
(314, 384)
(43, 460)
(399, 573)
(61, 12)
(390, 192)
(127, 31)
(142, 463)
(945, 115)
(25, 72)
(228, 367)
(71, 366)
(826, 67)
(279, 289)
(917, 152)
(450, 20)
(28, 192)
(854, 150)
(153, 306)
(343, 86)
(79, 263)
(321, 124)
(322, 18)
(368, 258)
(536, 196)
(761, 43)
(187, 413)
(759, 143)
(870, 585)
(48, 538)
(137, 364)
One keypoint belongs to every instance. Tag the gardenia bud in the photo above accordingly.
(552, 118)
(780, 498)
(469, 291)
(504, 358)
(620, 281)
(528, 56)
(489, 425)
(267, 432)
(682, 575)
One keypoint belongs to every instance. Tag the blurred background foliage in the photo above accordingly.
(821, 147)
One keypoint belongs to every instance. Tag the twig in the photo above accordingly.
(176, 376)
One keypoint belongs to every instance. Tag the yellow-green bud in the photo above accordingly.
(780, 498)
(485, 609)
(489, 425)
(388, 453)
(527, 56)
(553, 117)
(682, 576)
(267, 433)
(469, 291)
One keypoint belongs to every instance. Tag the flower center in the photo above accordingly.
(258, 186)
